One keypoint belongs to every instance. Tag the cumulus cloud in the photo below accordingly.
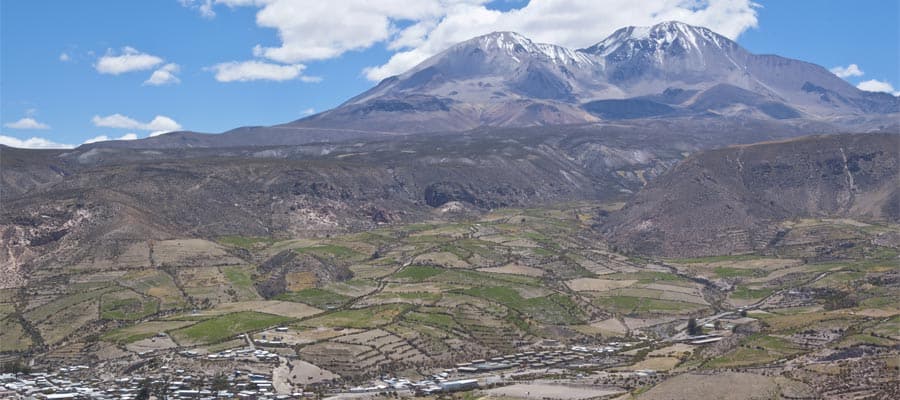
(104, 138)
(159, 123)
(848, 71)
(33, 143)
(308, 111)
(64, 57)
(245, 71)
(165, 75)
(26, 123)
(874, 85)
(130, 59)
(315, 30)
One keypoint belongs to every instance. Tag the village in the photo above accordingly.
(547, 358)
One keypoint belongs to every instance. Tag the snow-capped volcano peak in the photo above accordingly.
(520, 48)
(666, 35)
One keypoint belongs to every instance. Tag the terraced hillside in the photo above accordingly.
(427, 296)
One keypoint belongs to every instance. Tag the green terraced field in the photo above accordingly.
(227, 326)
(315, 297)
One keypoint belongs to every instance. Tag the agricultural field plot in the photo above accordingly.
(514, 269)
(191, 252)
(442, 258)
(226, 326)
(598, 285)
(275, 307)
(677, 295)
(55, 320)
(369, 317)
(367, 271)
(301, 335)
(315, 297)
(653, 363)
(13, 336)
(205, 285)
(155, 283)
(246, 242)
(408, 297)
(554, 309)
(342, 251)
(352, 288)
(611, 327)
(726, 386)
(127, 305)
(342, 358)
(143, 330)
(639, 305)
(241, 280)
(755, 350)
(553, 390)
(116, 255)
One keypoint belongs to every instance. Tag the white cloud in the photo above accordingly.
(129, 60)
(245, 71)
(104, 138)
(316, 30)
(26, 123)
(33, 143)
(308, 111)
(848, 71)
(159, 123)
(204, 7)
(573, 24)
(157, 133)
(874, 85)
(165, 75)
(64, 57)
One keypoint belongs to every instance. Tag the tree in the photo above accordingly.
(219, 382)
(144, 391)
(692, 327)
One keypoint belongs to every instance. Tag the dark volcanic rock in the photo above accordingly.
(318, 271)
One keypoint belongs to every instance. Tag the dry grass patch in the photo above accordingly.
(723, 386)
(276, 307)
(654, 363)
(598, 285)
(442, 258)
(515, 269)
(610, 327)
(191, 252)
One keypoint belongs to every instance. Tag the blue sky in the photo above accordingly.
(72, 71)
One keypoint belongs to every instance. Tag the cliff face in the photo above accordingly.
(730, 200)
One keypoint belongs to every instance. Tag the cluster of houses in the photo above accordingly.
(72, 382)
(443, 383)
(66, 384)
(438, 383)
(244, 354)
(537, 359)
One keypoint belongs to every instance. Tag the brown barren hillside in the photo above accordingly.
(731, 200)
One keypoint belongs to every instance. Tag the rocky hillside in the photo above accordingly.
(67, 208)
(734, 200)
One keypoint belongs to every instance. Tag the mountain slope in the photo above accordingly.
(732, 200)
(506, 80)
(492, 79)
